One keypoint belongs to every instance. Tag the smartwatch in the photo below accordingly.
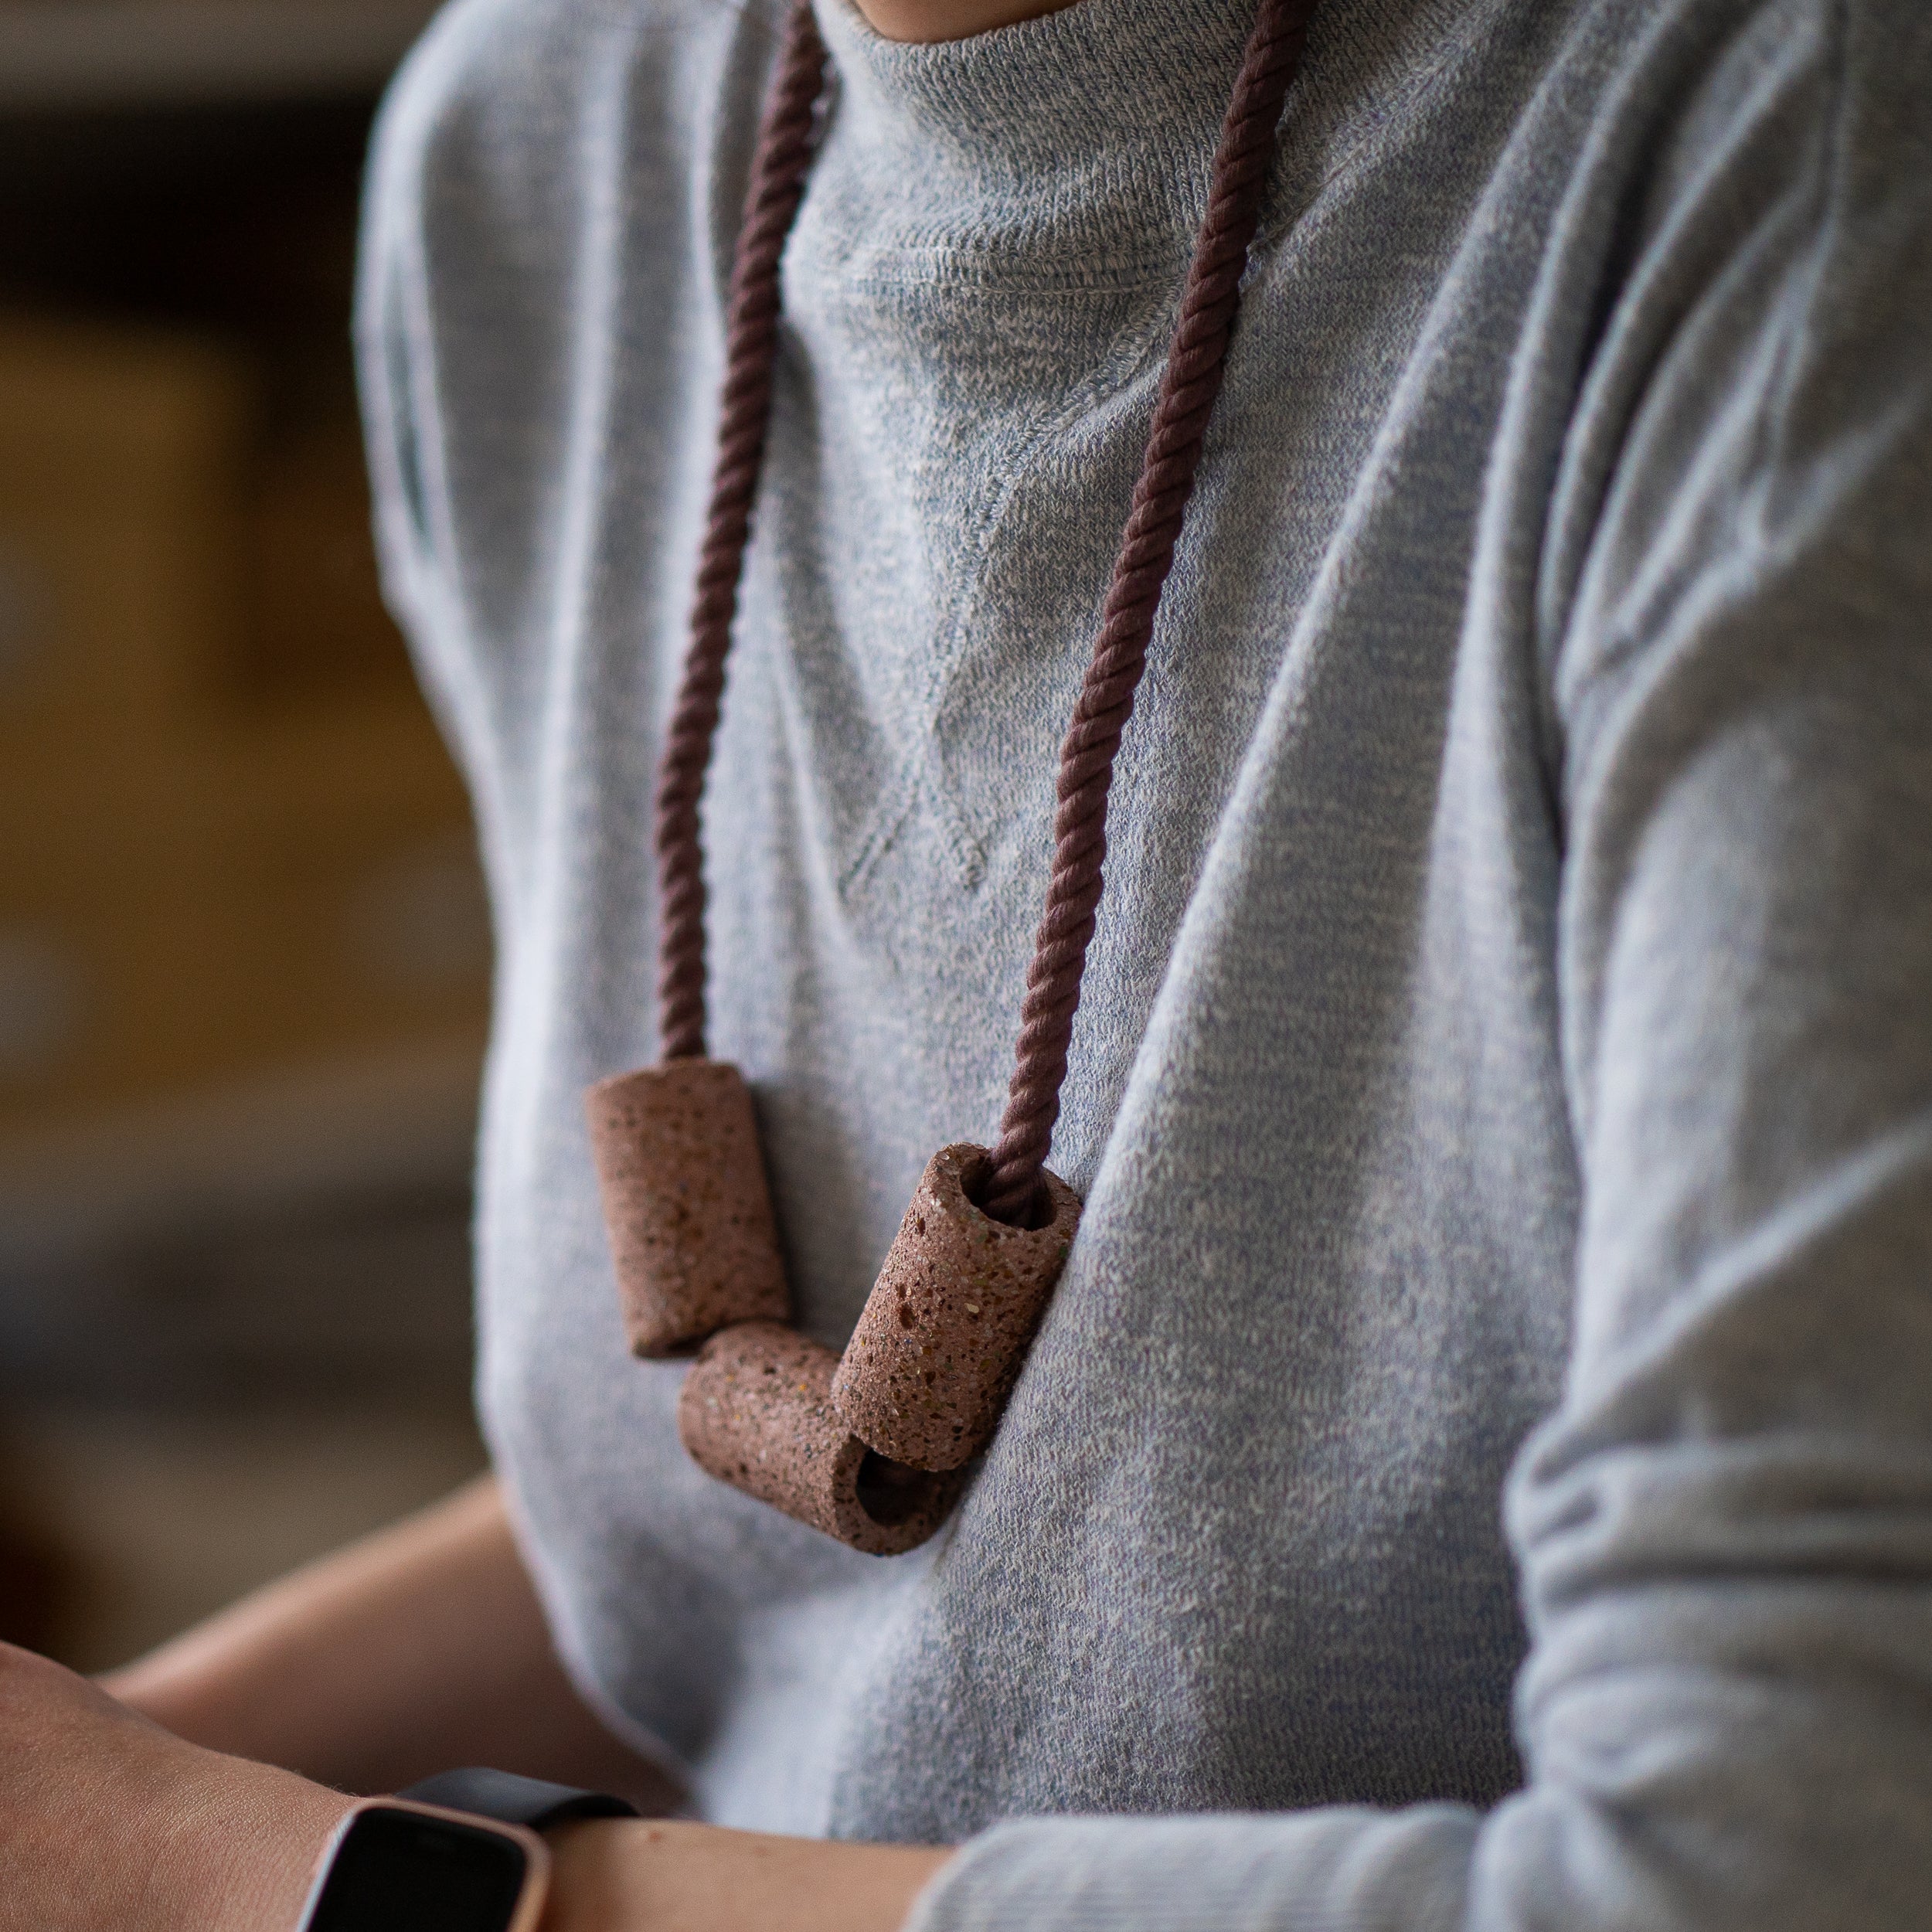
(458, 1853)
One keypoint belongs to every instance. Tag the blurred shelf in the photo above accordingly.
(402, 1120)
(309, 1232)
(243, 955)
(92, 54)
(161, 1517)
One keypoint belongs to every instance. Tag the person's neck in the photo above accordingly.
(950, 19)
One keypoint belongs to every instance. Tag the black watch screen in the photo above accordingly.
(397, 1871)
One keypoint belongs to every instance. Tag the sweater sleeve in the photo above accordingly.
(1724, 1531)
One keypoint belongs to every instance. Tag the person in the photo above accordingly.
(1502, 1070)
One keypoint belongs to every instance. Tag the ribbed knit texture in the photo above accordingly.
(1501, 1089)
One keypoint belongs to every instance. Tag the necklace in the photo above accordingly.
(871, 1446)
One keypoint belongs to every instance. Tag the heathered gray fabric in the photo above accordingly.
(1506, 1048)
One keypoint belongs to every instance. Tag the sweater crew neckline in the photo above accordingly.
(1089, 132)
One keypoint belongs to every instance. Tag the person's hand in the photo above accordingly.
(109, 1824)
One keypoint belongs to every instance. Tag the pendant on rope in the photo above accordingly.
(934, 1356)
(685, 1204)
(756, 1411)
(872, 1447)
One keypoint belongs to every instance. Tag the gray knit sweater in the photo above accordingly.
(1477, 1470)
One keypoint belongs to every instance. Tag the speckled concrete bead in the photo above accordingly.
(757, 1413)
(948, 1324)
(686, 1203)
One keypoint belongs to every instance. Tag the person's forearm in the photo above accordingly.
(110, 1822)
(661, 1876)
(421, 1647)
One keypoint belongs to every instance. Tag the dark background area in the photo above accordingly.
(244, 949)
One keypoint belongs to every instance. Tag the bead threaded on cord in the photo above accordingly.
(929, 1368)
(756, 1412)
(686, 1203)
(841, 1444)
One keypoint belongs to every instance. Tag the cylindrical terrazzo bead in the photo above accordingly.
(686, 1203)
(756, 1412)
(929, 1366)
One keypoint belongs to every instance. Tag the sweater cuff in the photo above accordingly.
(1365, 1870)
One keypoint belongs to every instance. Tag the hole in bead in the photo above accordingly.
(889, 1491)
(1040, 1208)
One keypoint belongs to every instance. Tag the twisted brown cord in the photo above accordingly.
(783, 158)
(1188, 389)
(1191, 383)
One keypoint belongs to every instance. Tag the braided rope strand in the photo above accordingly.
(780, 164)
(1188, 389)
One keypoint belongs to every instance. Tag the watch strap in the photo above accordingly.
(512, 1799)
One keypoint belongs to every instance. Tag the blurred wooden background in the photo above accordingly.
(244, 952)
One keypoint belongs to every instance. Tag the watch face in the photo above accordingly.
(400, 1872)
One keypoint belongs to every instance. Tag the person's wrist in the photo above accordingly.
(679, 1876)
(240, 1849)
